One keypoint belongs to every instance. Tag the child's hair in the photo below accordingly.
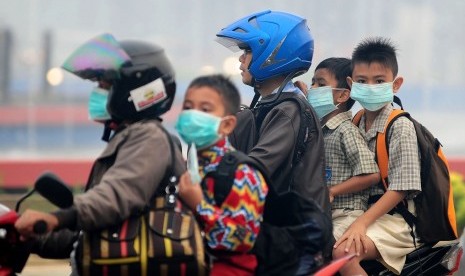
(376, 49)
(340, 68)
(226, 89)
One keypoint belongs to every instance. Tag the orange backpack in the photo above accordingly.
(435, 220)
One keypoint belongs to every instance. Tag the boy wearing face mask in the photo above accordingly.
(381, 233)
(210, 105)
(350, 165)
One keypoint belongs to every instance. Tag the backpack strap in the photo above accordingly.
(225, 174)
(382, 146)
(358, 117)
(305, 123)
(382, 159)
(169, 185)
(398, 102)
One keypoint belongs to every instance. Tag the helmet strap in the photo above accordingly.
(256, 85)
(106, 131)
(255, 99)
(280, 89)
(109, 126)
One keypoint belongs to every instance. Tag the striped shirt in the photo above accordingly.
(234, 225)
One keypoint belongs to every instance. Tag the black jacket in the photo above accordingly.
(273, 143)
(286, 138)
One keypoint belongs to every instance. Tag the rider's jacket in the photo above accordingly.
(126, 175)
(286, 138)
(274, 145)
(122, 181)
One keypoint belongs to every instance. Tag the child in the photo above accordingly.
(350, 165)
(382, 233)
(231, 228)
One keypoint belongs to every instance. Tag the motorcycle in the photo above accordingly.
(434, 260)
(443, 259)
(426, 260)
(14, 253)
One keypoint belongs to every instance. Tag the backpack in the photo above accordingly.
(253, 121)
(225, 173)
(276, 240)
(164, 239)
(434, 205)
(293, 225)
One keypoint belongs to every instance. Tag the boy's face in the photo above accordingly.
(323, 77)
(245, 60)
(204, 99)
(374, 73)
(208, 100)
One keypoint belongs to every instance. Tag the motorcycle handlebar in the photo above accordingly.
(40, 227)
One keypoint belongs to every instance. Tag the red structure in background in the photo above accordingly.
(22, 174)
(44, 114)
(57, 114)
(457, 165)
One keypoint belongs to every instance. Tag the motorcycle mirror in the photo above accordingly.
(54, 190)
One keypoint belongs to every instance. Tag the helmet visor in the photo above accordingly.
(232, 44)
(98, 59)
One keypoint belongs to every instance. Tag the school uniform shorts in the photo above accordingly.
(391, 236)
(342, 219)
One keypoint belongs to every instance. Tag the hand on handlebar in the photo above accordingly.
(29, 223)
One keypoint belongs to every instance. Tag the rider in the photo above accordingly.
(282, 133)
(127, 174)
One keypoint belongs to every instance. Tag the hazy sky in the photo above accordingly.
(428, 33)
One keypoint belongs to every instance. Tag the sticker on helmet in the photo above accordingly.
(146, 96)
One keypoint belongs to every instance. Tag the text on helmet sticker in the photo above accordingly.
(146, 96)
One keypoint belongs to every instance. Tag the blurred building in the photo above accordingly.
(47, 118)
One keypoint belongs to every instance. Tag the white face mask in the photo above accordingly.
(372, 97)
(321, 99)
(198, 127)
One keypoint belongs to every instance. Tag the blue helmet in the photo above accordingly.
(281, 43)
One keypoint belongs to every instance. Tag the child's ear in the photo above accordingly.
(397, 84)
(227, 125)
(349, 81)
(344, 96)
